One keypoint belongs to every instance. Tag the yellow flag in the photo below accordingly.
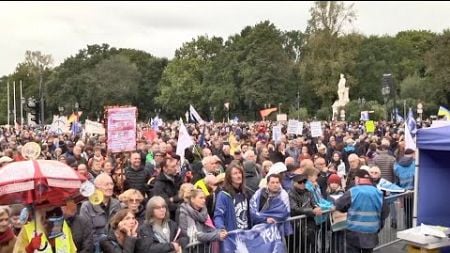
(234, 144)
(370, 126)
(72, 118)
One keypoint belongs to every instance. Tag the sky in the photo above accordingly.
(63, 28)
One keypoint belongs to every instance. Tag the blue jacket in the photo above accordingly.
(225, 216)
(324, 204)
(278, 208)
(364, 214)
(404, 170)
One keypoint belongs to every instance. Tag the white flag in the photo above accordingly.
(184, 140)
(195, 114)
(409, 141)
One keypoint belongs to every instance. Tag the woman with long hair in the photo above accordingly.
(123, 235)
(159, 233)
(232, 206)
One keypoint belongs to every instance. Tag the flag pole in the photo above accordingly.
(14, 102)
(7, 111)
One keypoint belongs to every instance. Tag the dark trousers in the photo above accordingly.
(303, 239)
(353, 249)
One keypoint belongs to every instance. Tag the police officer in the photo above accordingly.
(366, 212)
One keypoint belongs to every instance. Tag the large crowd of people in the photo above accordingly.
(234, 177)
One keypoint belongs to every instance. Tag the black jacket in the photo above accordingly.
(301, 202)
(252, 176)
(167, 189)
(81, 233)
(111, 245)
(137, 179)
(148, 242)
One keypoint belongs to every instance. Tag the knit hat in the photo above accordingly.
(334, 178)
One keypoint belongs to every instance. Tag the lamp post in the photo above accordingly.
(420, 110)
(212, 109)
(157, 111)
(386, 91)
(61, 110)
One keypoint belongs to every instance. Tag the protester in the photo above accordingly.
(132, 199)
(34, 235)
(232, 208)
(271, 204)
(366, 213)
(197, 224)
(159, 233)
(81, 228)
(167, 185)
(99, 214)
(7, 236)
(122, 237)
(302, 202)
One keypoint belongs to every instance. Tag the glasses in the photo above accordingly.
(160, 207)
(135, 200)
(301, 182)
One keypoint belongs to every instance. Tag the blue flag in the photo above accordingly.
(75, 128)
(412, 126)
(262, 238)
(202, 141)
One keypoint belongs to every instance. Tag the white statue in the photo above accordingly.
(343, 97)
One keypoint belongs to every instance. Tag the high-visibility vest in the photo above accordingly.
(364, 214)
(63, 243)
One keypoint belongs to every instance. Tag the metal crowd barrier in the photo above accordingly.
(307, 237)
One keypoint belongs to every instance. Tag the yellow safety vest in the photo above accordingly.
(63, 243)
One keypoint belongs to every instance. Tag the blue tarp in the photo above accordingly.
(437, 138)
(434, 176)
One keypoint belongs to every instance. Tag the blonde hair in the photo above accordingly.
(5, 210)
(126, 195)
(184, 191)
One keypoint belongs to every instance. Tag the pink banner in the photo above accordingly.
(121, 129)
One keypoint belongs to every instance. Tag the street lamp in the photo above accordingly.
(61, 110)
(157, 111)
(212, 109)
(386, 91)
(420, 110)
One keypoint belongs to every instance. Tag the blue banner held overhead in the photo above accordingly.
(262, 238)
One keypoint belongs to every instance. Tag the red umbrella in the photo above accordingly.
(38, 182)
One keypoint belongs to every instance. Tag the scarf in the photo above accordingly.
(200, 216)
(162, 232)
(6, 236)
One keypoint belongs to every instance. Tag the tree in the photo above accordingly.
(183, 81)
(438, 68)
(324, 56)
(330, 17)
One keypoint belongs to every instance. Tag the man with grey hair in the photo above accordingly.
(98, 215)
(211, 166)
(354, 165)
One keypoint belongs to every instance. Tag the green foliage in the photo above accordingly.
(257, 66)
(324, 113)
(301, 114)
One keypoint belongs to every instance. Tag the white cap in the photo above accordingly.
(277, 168)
